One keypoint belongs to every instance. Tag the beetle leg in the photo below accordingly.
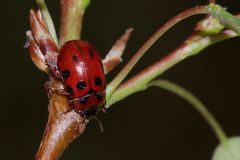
(57, 91)
(113, 58)
(51, 62)
(105, 109)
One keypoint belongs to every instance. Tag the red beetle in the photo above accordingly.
(82, 74)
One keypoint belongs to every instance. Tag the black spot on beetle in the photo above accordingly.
(91, 53)
(69, 90)
(75, 58)
(98, 81)
(65, 73)
(78, 47)
(81, 85)
(83, 100)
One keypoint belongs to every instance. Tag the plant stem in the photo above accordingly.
(214, 10)
(48, 20)
(71, 19)
(228, 20)
(196, 103)
(64, 124)
(131, 63)
(189, 48)
(62, 128)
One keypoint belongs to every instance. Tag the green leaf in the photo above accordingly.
(230, 150)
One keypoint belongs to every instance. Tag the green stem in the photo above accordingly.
(214, 10)
(131, 63)
(48, 20)
(196, 103)
(187, 49)
(72, 12)
(228, 20)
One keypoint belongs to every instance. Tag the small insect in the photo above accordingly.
(81, 71)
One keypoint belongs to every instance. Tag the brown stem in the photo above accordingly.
(152, 39)
(62, 127)
(114, 56)
(190, 47)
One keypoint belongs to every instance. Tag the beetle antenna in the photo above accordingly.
(99, 124)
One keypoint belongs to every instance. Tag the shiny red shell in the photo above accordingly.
(81, 71)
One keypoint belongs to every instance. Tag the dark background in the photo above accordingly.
(154, 124)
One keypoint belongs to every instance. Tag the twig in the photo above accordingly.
(64, 125)
(131, 63)
(48, 19)
(62, 128)
(185, 50)
(71, 19)
(228, 20)
(214, 10)
(114, 56)
(188, 48)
